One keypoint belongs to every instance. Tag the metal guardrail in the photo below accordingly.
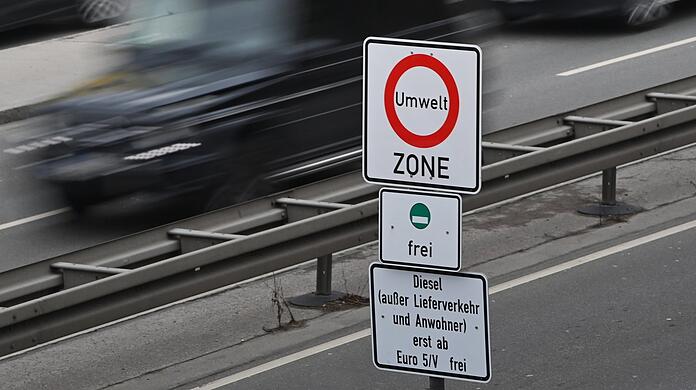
(59, 296)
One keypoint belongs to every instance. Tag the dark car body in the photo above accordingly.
(559, 8)
(197, 116)
(620, 9)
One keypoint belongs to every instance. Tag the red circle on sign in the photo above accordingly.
(439, 136)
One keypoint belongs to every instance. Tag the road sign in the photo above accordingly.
(419, 216)
(420, 228)
(432, 323)
(422, 114)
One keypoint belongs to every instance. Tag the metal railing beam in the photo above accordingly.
(667, 102)
(78, 274)
(494, 152)
(299, 209)
(192, 240)
(573, 119)
(588, 144)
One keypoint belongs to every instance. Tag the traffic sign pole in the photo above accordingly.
(436, 383)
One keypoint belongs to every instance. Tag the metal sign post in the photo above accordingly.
(436, 383)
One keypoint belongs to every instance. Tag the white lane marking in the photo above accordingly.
(287, 359)
(593, 256)
(493, 290)
(33, 218)
(628, 57)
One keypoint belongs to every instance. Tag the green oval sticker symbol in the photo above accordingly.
(420, 216)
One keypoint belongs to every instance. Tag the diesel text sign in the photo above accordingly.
(430, 322)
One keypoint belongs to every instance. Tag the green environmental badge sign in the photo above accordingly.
(420, 228)
(420, 216)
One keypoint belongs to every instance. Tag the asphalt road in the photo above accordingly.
(625, 321)
(530, 56)
(527, 60)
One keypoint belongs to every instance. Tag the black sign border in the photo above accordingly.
(420, 371)
(423, 193)
(425, 186)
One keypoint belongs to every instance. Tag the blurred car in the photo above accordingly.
(226, 98)
(634, 13)
(15, 13)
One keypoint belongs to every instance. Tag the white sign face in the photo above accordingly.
(432, 323)
(420, 228)
(422, 114)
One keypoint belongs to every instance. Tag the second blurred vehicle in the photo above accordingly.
(15, 13)
(634, 13)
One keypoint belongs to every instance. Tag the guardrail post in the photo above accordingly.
(436, 383)
(585, 127)
(298, 209)
(609, 187)
(323, 293)
(608, 206)
(324, 264)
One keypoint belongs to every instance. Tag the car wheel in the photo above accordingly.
(96, 12)
(644, 13)
(78, 199)
(511, 15)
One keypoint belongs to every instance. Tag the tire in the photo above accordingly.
(79, 199)
(102, 12)
(646, 13)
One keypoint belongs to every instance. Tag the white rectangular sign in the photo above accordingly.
(422, 114)
(420, 228)
(432, 323)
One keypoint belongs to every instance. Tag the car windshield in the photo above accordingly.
(237, 27)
